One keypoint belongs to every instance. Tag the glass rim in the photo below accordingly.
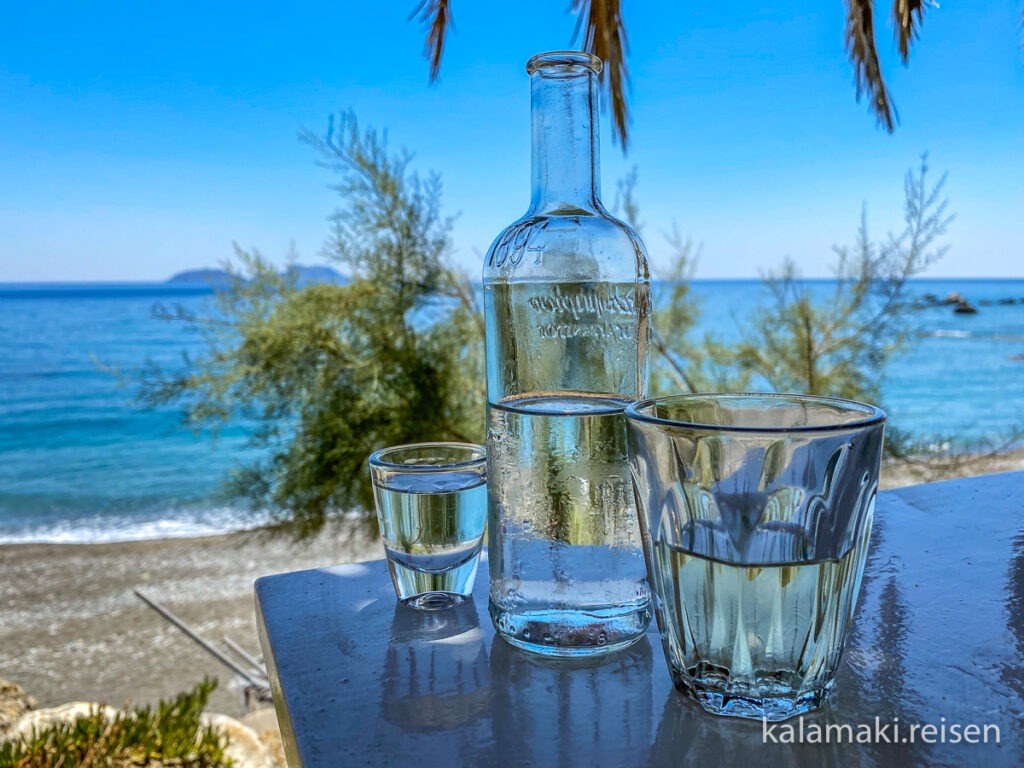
(379, 457)
(873, 415)
(582, 59)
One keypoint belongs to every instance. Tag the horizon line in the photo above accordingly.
(757, 278)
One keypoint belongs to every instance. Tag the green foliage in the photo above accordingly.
(839, 345)
(798, 341)
(677, 366)
(332, 372)
(682, 363)
(171, 735)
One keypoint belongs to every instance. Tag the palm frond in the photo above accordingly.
(860, 43)
(907, 16)
(601, 26)
(436, 17)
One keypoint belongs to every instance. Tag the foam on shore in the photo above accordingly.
(176, 524)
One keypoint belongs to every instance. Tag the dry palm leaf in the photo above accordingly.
(603, 31)
(604, 35)
(436, 17)
(860, 42)
(907, 16)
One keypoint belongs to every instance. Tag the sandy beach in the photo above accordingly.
(898, 475)
(72, 629)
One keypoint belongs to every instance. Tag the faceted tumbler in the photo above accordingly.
(755, 514)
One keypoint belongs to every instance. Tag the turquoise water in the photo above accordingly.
(958, 379)
(81, 460)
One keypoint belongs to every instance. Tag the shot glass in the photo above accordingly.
(755, 514)
(431, 503)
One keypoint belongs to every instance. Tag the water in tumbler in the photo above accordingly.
(756, 639)
(432, 526)
(567, 572)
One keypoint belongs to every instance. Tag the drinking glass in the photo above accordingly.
(432, 507)
(755, 513)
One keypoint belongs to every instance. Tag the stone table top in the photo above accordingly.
(938, 641)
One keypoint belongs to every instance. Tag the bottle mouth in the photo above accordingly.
(564, 63)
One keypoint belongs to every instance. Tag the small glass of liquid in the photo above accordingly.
(432, 507)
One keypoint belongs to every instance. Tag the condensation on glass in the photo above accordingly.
(567, 305)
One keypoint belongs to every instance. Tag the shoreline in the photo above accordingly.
(73, 630)
(893, 475)
(899, 475)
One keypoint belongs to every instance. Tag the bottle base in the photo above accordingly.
(577, 633)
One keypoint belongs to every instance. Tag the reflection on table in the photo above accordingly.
(436, 671)
(549, 712)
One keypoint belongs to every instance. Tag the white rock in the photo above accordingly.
(41, 719)
(14, 703)
(244, 745)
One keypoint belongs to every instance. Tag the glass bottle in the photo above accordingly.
(567, 305)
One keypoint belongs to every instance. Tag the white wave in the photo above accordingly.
(987, 335)
(106, 530)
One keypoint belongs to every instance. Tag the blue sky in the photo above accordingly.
(140, 139)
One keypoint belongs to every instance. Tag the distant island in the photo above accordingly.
(219, 278)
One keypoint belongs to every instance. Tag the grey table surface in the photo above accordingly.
(938, 640)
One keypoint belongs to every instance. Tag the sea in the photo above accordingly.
(83, 460)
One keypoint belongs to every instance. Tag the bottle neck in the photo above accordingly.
(565, 143)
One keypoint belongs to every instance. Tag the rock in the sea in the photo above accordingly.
(954, 297)
(964, 307)
(14, 703)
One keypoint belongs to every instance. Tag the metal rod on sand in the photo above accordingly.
(212, 650)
